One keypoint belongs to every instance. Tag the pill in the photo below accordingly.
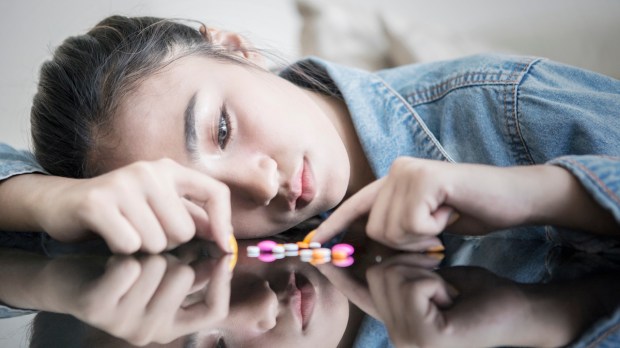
(305, 253)
(290, 253)
(267, 257)
(321, 252)
(278, 249)
(319, 260)
(309, 236)
(347, 248)
(302, 245)
(339, 255)
(291, 246)
(346, 262)
(305, 258)
(266, 245)
(278, 255)
(253, 250)
(314, 245)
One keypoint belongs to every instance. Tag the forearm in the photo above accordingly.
(18, 276)
(22, 197)
(560, 199)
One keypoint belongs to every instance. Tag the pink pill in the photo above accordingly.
(266, 245)
(343, 262)
(343, 247)
(268, 257)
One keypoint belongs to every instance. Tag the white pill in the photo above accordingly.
(291, 253)
(305, 253)
(253, 250)
(278, 249)
(291, 246)
(305, 258)
(314, 245)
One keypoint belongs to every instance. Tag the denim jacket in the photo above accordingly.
(498, 110)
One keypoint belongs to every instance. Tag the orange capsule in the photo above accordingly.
(302, 245)
(339, 254)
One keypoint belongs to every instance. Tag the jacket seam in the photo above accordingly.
(593, 177)
(604, 335)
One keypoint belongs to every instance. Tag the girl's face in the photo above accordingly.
(268, 140)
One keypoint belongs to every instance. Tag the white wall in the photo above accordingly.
(30, 29)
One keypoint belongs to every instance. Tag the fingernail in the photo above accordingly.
(435, 249)
(233, 262)
(232, 245)
(309, 236)
(437, 256)
(453, 217)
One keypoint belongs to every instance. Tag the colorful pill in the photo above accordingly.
(339, 254)
(266, 245)
(346, 248)
(302, 245)
(314, 245)
(319, 260)
(321, 252)
(253, 250)
(278, 249)
(291, 247)
(346, 262)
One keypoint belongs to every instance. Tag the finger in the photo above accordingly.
(376, 287)
(143, 219)
(380, 217)
(352, 288)
(118, 233)
(140, 294)
(350, 210)
(216, 299)
(120, 275)
(215, 201)
(173, 216)
(201, 220)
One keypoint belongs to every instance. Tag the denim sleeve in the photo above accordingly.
(14, 162)
(570, 117)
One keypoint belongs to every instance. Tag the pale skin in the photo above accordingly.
(242, 173)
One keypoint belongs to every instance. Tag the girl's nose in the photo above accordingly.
(255, 178)
(266, 310)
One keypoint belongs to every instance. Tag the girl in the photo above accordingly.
(153, 132)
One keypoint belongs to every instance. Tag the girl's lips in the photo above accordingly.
(308, 189)
(302, 188)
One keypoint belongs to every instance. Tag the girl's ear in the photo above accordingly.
(234, 43)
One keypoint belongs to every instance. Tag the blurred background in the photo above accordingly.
(370, 34)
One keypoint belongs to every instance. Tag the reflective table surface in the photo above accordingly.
(518, 287)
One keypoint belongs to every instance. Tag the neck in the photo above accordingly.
(338, 113)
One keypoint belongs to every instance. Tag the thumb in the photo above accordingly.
(349, 211)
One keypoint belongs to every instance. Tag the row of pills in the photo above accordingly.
(313, 252)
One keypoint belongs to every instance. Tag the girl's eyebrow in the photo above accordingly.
(189, 127)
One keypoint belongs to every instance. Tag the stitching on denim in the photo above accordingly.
(592, 176)
(515, 110)
(409, 107)
(442, 89)
(605, 335)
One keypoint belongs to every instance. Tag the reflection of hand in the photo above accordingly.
(139, 300)
(421, 308)
(148, 206)
(357, 291)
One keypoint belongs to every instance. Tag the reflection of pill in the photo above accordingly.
(291, 253)
(278, 255)
(305, 253)
(347, 248)
(314, 245)
(277, 249)
(319, 260)
(291, 246)
(302, 245)
(267, 257)
(266, 245)
(346, 262)
(305, 258)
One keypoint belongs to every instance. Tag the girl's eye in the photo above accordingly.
(223, 129)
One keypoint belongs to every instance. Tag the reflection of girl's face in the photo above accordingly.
(265, 138)
(286, 303)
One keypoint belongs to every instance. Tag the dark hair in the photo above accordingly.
(82, 86)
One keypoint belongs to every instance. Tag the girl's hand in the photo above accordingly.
(147, 206)
(418, 199)
(141, 300)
